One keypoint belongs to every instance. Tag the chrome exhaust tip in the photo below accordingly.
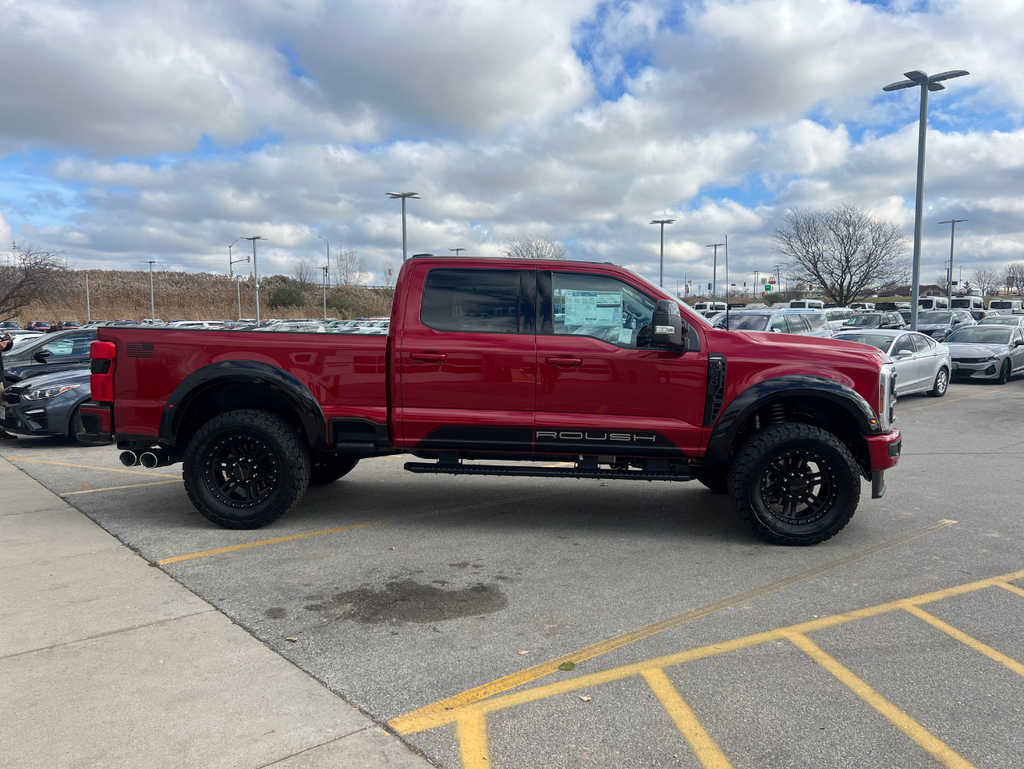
(129, 458)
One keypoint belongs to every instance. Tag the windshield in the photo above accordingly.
(867, 321)
(1007, 320)
(744, 322)
(936, 317)
(981, 335)
(881, 341)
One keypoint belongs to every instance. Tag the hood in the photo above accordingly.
(76, 376)
(962, 350)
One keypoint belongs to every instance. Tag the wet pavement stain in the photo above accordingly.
(410, 601)
(276, 612)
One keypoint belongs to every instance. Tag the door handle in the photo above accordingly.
(428, 357)
(564, 361)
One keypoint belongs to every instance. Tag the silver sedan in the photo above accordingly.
(987, 352)
(922, 364)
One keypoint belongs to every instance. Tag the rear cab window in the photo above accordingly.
(472, 300)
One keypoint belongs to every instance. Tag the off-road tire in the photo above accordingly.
(1004, 372)
(329, 468)
(264, 452)
(715, 478)
(792, 461)
(940, 385)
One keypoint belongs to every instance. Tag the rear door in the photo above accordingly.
(601, 387)
(68, 351)
(467, 359)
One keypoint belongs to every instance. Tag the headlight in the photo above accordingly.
(49, 392)
(992, 358)
(886, 397)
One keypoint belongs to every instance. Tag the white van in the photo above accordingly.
(933, 303)
(1007, 305)
(712, 306)
(862, 306)
(967, 303)
(807, 304)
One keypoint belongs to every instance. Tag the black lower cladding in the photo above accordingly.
(550, 440)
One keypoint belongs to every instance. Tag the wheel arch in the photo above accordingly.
(241, 384)
(798, 398)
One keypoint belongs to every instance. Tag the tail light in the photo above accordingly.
(103, 357)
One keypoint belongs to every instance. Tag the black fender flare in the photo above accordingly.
(743, 405)
(250, 372)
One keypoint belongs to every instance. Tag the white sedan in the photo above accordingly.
(922, 364)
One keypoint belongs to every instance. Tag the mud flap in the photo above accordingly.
(878, 484)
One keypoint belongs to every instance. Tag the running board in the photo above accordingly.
(451, 468)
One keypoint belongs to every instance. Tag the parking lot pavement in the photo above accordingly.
(456, 600)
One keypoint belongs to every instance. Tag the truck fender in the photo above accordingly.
(801, 385)
(249, 372)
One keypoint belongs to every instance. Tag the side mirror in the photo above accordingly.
(42, 355)
(1018, 342)
(669, 326)
(904, 354)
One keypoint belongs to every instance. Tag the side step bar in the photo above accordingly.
(579, 471)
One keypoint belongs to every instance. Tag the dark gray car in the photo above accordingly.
(938, 324)
(60, 351)
(47, 405)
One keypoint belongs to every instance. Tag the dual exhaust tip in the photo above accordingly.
(148, 459)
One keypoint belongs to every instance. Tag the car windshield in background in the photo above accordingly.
(868, 321)
(935, 317)
(881, 341)
(746, 322)
(981, 335)
(1000, 320)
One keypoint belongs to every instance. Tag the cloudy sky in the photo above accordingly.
(137, 129)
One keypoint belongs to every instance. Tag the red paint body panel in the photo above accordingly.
(879, 448)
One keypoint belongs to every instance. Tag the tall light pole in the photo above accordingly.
(88, 307)
(686, 286)
(918, 79)
(238, 289)
(403, 196)
(151, 262)
(231, 263)
(457, 250)
(255, 272)
(661, 260)
(714, 274)
(327, 274)
(949, 277)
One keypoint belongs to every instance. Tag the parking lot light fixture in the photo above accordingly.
(918, 79)
(255, 272)
(949, 275)
(403, 196)
(661, 261)
(714, 274)
(457, 250)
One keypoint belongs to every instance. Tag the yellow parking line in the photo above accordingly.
(974, 643)
(118, 488)
(939, 750)
(704, 747)
(1012, 588)
(522, 677)
(351, 527)
(471, 732)
(429, 718)
(94, 467)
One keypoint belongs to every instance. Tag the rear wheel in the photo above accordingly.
(245, 469)
(327, 469)
(941, 383)
(1004, 372)
(794, 484)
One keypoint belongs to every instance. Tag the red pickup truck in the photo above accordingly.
(491, 360)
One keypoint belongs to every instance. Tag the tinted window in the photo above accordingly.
(902, 343)
(981, 335)
(601, 307)
(880, 341)
(70, 345)
(815, 321)
(779, 324)
(922, 343)
(747, 322)
(485, 301)
(798, 324)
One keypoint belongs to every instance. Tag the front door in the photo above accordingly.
(601, 387)
(467, 360)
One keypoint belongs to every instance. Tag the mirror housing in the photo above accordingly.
(41, 355)
(668, 326)
(904, 354)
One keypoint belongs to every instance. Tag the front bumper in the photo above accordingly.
(884, 450)
(985, 370)
(25, 417)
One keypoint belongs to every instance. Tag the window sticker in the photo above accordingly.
(588, 308)
(625, 335)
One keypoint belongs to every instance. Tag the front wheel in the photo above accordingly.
(794, 484)
(1004, 372)
(245, 469)
(941, 384)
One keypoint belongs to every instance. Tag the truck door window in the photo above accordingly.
(479, 301)
(601, 307)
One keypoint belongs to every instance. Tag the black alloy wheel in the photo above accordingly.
(1004, 372)
(245, 469)
(940, 385)
(794, 484)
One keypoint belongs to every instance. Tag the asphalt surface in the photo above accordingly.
(399, 591)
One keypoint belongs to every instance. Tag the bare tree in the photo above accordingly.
(350, 267)
(305, 273)
(533, 247)
(28, 274)
(986, 281)
(1014, 276)
(386, 270)
(842, 251)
